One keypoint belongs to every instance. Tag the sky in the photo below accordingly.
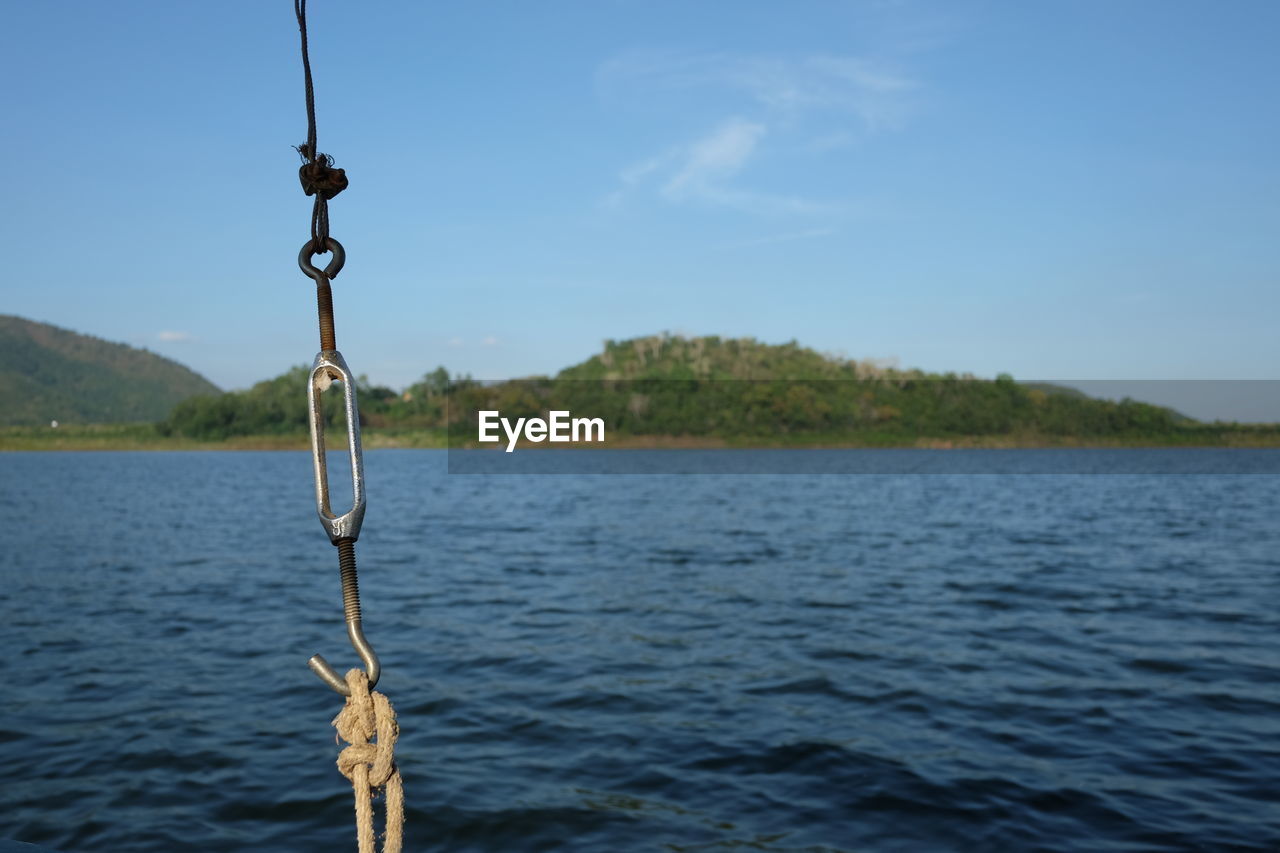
(1082, 190)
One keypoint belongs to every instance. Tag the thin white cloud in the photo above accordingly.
(637, 171)
(762, 204)
(489, 341)
(174, 337)
(872, 90)
(456, 342)
(812, 104)
(702, 172)
(714, 158)
(787, 237)
(635, 174)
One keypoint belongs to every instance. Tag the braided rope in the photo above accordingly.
(371, 765)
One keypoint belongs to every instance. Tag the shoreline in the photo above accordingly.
(143, 437)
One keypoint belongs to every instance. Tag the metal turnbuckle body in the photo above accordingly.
(329, 367)
(343, 530)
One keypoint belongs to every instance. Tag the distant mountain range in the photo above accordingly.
(48, 373)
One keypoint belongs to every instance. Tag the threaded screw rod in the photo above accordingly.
(355, 631)
(350, 580)
(324, 308)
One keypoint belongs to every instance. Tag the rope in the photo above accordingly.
(317, 175)
(371, 765)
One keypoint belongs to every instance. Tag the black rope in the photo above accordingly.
(317, 175)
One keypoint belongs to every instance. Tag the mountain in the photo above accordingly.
(48, 373)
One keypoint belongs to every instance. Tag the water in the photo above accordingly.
(671, 663)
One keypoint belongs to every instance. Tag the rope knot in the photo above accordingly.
(371, 765)
(318, 177)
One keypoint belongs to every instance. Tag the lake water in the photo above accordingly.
(1084, 662)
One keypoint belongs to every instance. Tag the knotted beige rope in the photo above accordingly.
(371, 765)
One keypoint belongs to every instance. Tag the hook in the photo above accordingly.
(330, 676)
(355, 632)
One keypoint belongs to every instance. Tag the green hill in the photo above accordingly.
(709, 387)
(48, 373)
(678, 357)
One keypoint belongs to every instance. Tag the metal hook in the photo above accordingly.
(331, 271)
(371, 664)
(355, 632)
(330, 676)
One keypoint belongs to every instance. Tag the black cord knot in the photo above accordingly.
(318, 177)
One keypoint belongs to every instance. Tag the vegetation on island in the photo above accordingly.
(710, 390)
(669, 390)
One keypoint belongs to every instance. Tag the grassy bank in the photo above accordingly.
(132, 437)
(146, 437)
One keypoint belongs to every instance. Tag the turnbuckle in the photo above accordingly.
(329, 367)
(344, 529)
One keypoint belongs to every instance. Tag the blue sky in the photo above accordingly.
(1083, 190)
